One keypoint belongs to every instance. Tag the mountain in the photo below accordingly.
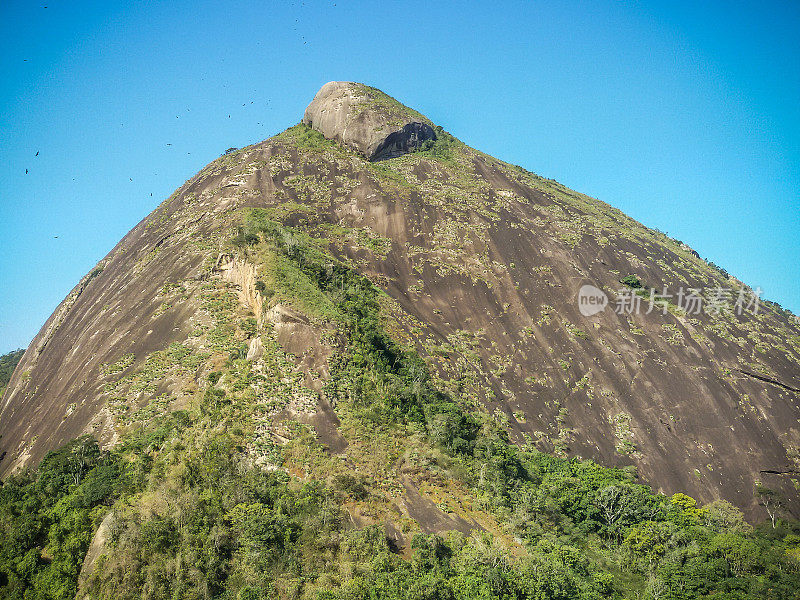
(365, 266)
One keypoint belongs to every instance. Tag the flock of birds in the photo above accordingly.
(37, 152)
(168, 143)
(27, 171)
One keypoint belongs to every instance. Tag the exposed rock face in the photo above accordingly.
(481, 262)
(367, 120)
(96, 549)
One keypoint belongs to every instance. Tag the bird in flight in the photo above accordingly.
(37, 153)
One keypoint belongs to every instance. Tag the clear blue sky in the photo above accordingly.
(685, 115)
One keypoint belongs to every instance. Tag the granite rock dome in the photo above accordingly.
(367, 120)
(480, 263)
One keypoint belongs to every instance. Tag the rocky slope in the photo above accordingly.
(481, 262)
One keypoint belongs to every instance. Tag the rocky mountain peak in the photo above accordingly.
(367, 120)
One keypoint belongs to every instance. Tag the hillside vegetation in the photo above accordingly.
(190, 513)
(8, 362)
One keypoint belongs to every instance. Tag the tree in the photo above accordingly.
(722, 516)
(649, 541)
(741, 554)
(685, 511)
(631, 281)
(623, 504)
(83, 457)
(771, 500)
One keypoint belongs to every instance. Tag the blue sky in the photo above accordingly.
(682, 114)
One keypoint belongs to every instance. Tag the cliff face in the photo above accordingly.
(482, 263)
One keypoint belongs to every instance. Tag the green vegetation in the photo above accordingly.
(381, 102)
(8, 362)
(443, 147)
(196, 513)
(310, 139)
(631, 281)
(47, 519)
(387, 383)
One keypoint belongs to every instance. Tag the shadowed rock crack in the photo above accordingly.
(766, 379)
